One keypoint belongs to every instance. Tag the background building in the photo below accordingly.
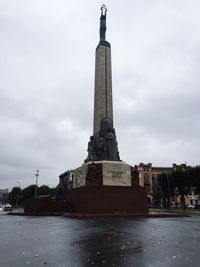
(148, 178)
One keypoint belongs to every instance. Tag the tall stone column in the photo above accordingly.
(103, 107)
(103, 143)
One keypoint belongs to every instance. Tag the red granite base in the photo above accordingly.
(45, 205)
(97, 199)
(94, 199)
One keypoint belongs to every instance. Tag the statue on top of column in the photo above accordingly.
(103, 23)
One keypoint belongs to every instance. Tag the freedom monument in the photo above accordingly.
(103, 184)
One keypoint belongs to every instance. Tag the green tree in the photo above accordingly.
(194, 177)
(44, 190)
(183, 180)
(14, 196)
(165, 181)
(183, 183)
(28, 192)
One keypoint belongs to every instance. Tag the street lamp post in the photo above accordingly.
(36, 182)
(168, 186)
(17, 202)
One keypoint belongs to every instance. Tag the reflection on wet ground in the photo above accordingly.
(57, 241)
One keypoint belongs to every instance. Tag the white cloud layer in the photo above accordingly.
(47, 54)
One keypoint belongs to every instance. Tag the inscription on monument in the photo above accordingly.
(116, 174)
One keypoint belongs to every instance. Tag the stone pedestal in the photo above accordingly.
(106, 187)
(96, 199)
(107, 173)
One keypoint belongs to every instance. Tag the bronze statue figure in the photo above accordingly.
(103, 23)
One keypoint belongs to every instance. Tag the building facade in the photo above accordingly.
(148, 178)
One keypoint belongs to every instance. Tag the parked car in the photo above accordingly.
(191, 206)
(151, 206)
(7, 207)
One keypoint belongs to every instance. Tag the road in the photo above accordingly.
(65, 242)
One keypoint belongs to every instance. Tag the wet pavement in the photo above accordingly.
(65, 242)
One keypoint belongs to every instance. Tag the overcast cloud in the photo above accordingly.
(47, 56)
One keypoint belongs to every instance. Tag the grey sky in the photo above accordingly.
(47, 55)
